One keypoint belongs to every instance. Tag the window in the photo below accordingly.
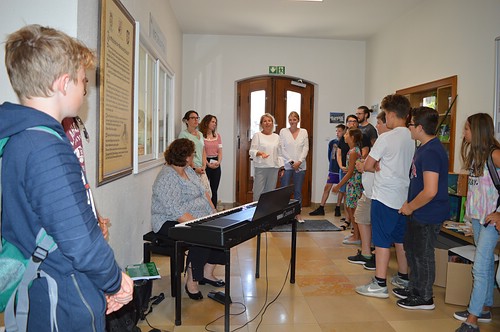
(154, 84)
(293, 102)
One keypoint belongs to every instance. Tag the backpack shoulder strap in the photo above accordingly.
(16, 315)
(46, 129)
(3, 141)
(494, 175)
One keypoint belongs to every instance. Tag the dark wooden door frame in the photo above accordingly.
(275, 87)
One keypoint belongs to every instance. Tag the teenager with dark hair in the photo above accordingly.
(427, 208)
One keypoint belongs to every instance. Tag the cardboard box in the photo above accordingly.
(459, 277)
(441, 258)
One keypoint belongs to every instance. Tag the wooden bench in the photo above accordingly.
(162, 245)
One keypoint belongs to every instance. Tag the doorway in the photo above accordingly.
(278, 96)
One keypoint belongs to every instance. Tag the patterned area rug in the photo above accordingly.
(322, 225)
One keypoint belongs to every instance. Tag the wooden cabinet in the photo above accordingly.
(438, 95)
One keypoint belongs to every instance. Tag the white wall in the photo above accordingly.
(212, 65)
(438, 39)
(17, 13)
(127, 201)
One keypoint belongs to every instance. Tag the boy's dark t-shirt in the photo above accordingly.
(430, 157)
(370, 131)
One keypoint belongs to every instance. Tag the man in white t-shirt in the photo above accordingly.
(390, 159)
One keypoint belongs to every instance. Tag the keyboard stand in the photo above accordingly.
(179, 257)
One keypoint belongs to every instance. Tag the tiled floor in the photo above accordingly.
(322, 299)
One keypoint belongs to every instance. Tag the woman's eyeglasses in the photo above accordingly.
(194, 117)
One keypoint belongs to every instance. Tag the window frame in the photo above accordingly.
(161, 95)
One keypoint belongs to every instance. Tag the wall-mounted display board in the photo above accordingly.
(116, 91)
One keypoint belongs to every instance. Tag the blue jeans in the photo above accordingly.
(420, 241)
(483, 269)
(298, 180)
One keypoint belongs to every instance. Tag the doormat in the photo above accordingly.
(315, 225)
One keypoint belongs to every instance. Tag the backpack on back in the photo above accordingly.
(494, 175)
(17, 272)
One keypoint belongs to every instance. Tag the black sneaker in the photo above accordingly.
(370, 265)
(358, 259)
(467, 328)
(402, 293)
(337, 211)
(320, 211)
(462, 316)
(416, 303)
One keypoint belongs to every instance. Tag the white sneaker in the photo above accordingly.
(373, 289)
(399, 282)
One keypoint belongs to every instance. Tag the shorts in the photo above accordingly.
(333, 178)
(362, 213)
(388, 226)
(344, 187)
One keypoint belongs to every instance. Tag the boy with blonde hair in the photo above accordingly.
(43, 187)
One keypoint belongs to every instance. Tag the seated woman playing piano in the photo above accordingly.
(180, 196)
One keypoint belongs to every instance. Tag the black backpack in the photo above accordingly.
(494, 175)
(125, 319)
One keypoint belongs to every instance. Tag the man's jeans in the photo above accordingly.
(419, 243)
(483, 269)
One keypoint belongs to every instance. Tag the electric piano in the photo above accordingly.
(232, 227)
(229, 228)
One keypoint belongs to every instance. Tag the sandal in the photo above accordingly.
(346, 225)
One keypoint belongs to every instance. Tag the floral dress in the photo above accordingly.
(354, 187)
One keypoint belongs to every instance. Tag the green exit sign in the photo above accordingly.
(277, 70)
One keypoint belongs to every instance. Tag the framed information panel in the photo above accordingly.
(116, 91)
